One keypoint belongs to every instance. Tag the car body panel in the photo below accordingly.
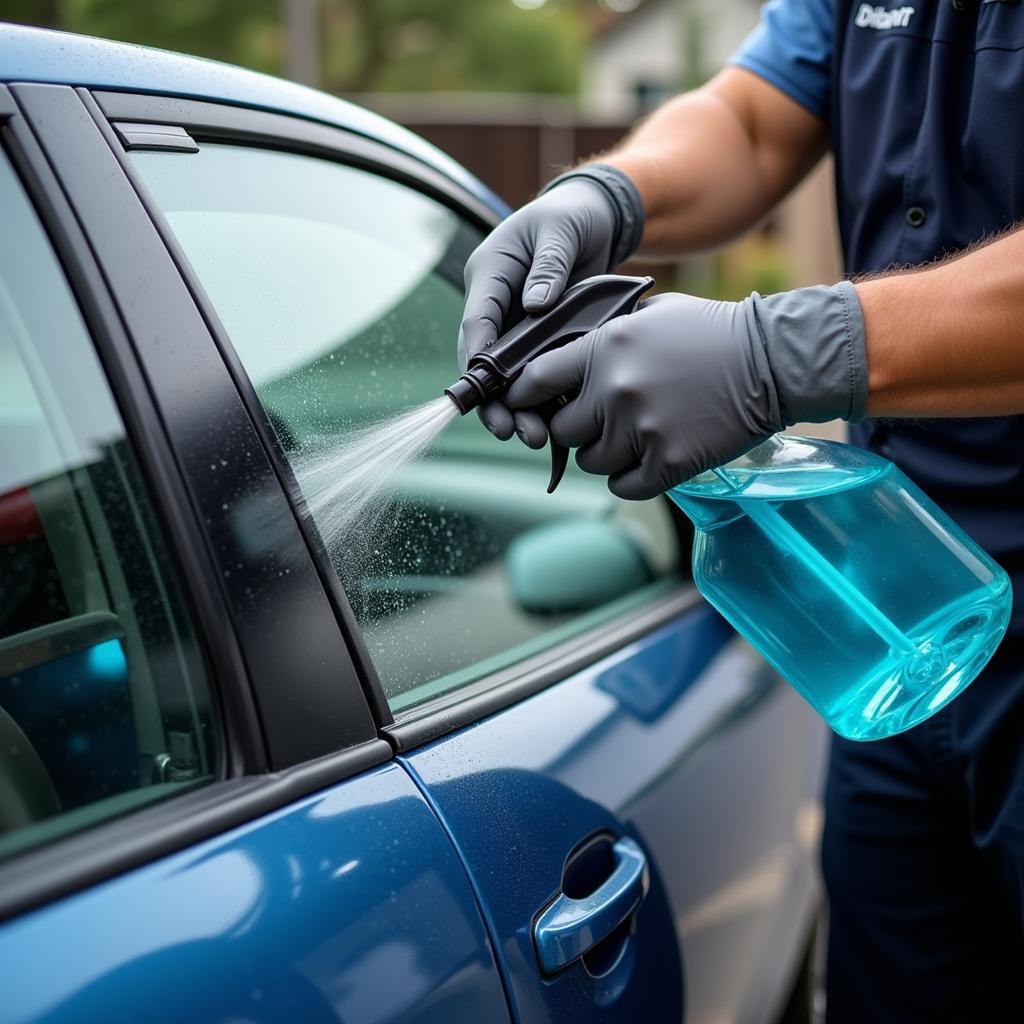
(347, 906)
(686, 741)
(39, 55)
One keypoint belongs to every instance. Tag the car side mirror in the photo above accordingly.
(574, 565)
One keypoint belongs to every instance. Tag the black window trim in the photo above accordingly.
(306, 691)
(213, 122)
(249, 785)
(222, 122)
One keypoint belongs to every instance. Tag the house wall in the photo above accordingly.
(646, 45)
(657, 43)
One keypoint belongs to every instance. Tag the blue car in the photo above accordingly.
(481, 755)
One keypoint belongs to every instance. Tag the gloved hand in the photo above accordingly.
(586, 222)
(685, 384)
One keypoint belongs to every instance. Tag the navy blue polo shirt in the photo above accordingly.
(925, 105)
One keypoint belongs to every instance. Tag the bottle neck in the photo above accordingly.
(705, 513)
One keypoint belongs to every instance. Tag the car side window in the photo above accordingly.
(104, 703)
(342, 293)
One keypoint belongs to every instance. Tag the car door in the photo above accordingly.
(198, 819)
(629, 788)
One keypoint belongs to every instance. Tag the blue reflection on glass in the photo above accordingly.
(107, 661)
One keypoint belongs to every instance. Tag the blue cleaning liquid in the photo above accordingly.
(848, 579)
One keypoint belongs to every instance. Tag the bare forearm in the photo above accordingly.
(948, 340)
(692, 161)
(710, 163)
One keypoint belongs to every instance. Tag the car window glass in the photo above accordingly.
(103, 700)
(342, 293)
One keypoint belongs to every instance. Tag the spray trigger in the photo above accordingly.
(559, 461)
(584, 307)
(559, 452)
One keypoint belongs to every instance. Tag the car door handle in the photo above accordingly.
(568, 928)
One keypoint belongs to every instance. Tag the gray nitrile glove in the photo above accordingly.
(585, 222)
(685, 384)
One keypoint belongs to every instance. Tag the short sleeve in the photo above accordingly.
(792, 48)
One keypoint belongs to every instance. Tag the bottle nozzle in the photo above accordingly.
(467, 392)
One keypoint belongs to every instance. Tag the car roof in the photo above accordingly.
(64, 58)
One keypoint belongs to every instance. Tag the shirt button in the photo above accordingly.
(960, 5)
(916, 216)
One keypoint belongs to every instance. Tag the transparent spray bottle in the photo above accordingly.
(863, 594)
(847, 578)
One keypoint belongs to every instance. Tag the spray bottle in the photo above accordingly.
(847, 578)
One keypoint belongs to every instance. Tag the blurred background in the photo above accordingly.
(514, 89)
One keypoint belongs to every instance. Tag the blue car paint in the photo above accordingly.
(39, 55)
(347, 906)
(519, 791)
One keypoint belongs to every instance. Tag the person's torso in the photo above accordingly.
(928, 134)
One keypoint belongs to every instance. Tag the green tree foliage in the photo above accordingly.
(240, 31)
(405, 45)
(451, 45)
